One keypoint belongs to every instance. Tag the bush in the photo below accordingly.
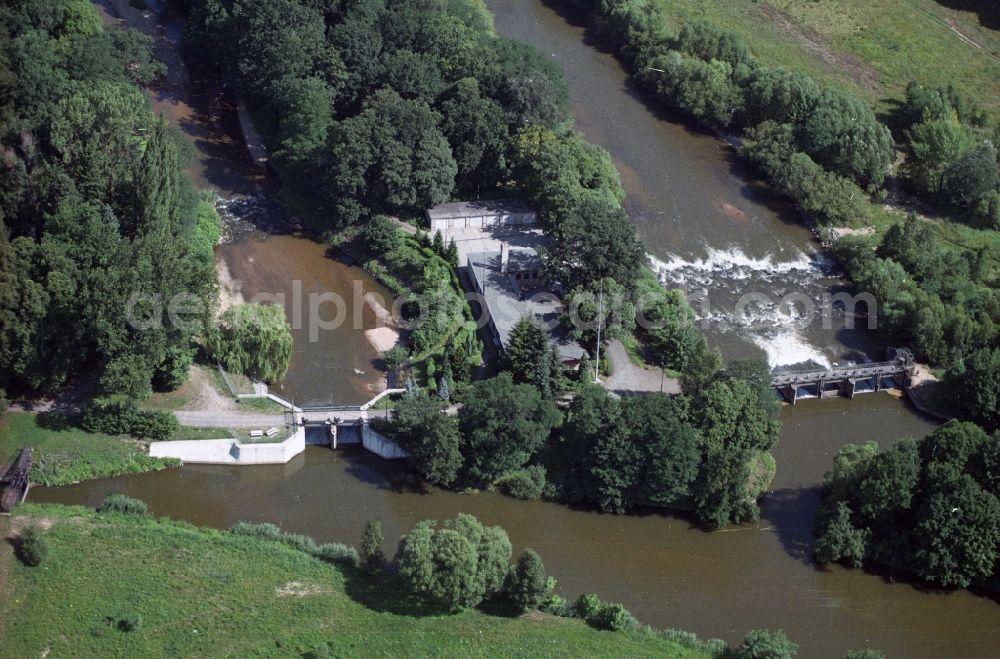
(33, 547)
(333, 552)
(337, 553)
(129, 622)
(557, 606)
(613, 617)
(119, 503)
(587, 606)
(111, 415)
(154, 424)
(264, 530)
(764, 644)
(527, 483)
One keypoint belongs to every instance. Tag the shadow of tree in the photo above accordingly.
(57, 421)
(792, 513)
(387, 593)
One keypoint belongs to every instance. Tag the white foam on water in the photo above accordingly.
(788, 346)
(733, 263)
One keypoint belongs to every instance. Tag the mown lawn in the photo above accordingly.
(199, 592)
(874, 47)
(66, 454)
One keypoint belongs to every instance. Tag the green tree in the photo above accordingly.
(394, 358)
(381, 235)
(527, 586)
(974, 386)
(526, 356)
(839, 540)
(931, 148)
(503, 426)
(973, 175)
(592, 240)
(420, 427)
(372, 556)
(253, 339)
(957, 531)
(735, 424)
(456, 565)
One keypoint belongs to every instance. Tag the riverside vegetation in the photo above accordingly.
(295, 588)
(826, 149)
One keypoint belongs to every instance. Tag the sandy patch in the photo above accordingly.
(17, 524)
(299, 589)
(382, 338)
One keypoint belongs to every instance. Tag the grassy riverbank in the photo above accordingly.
(208, 593)
(66, 454)
(871, 48)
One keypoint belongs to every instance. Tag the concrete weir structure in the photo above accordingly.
(846, 380)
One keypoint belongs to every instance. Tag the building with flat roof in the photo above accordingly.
(480, 215)
(512, 286)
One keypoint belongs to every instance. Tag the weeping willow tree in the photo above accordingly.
(253, 339)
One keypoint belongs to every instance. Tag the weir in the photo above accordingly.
(846, 381)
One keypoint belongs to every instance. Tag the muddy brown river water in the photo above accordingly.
(664, 570)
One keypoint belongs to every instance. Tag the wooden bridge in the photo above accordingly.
(14, 482)
(845, 380)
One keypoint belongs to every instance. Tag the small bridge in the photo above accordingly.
(14, 481)
(845, 381)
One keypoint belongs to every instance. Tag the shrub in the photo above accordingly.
(527, 483)
(111, 415)
(154, 424)
(33, 547)
(263, 531)
(764, 644)
(587, 606)
(613, 617)
(557, 605)
(129, 622)
(119, 503)
(337, 553)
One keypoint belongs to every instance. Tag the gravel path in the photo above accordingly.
(627, 378)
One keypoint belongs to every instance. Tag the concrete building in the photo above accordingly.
(512, 286)
(480, 215)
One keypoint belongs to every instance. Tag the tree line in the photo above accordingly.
(96, 209)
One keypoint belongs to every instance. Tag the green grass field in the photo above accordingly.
(65, 454)
(874, 47)
(200, 592)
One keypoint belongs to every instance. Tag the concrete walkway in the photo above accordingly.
(627, 378)
(221, 419)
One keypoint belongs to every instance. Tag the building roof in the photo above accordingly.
(507, 303)
(478, 208)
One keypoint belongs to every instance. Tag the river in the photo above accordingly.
(665, 571)
(263, 254)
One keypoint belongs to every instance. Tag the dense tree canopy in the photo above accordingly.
(102, 231)
(503, 425)
(927, 508)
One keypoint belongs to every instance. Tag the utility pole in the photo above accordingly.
(600, 321)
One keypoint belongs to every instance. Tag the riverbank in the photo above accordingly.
(242, 596)
(65, 454)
